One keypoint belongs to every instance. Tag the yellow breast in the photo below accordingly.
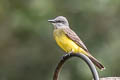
(64, 42)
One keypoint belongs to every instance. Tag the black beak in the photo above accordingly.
(51, 20)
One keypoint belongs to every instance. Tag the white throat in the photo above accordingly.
(60, 25)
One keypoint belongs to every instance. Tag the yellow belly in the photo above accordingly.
(65, 43)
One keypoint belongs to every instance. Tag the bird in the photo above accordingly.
(69, 41)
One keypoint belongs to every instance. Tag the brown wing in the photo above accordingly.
(73, 36)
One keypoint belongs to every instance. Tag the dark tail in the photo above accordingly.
(97, 63)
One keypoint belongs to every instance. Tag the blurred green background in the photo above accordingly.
(29, 52)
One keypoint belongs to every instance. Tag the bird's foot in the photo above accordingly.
(67, 54)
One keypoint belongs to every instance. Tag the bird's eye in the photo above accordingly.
(59, 21)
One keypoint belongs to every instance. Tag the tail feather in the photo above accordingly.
(96, 62)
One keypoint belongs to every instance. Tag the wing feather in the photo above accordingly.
(73, 36)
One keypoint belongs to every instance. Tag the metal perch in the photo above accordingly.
(82, 56)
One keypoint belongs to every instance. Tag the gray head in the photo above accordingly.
(59, 22)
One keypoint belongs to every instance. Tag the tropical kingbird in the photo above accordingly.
(68, 40)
